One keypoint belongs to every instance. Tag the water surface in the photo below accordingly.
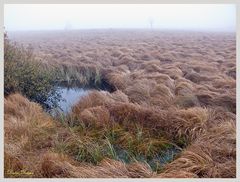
(70, 96)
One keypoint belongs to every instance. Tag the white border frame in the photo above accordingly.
(2, 2)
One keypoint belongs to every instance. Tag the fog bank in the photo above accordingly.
(203, 17)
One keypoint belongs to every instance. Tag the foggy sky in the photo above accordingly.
(83, 16)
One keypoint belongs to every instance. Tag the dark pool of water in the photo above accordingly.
(69, 97)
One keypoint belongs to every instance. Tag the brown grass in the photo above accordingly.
(211, 155)
(168, 89)
(54, 165)
(23, 148)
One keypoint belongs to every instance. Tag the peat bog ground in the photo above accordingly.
(162, 104)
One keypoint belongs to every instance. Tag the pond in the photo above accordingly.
(71, 93)
(69, 97)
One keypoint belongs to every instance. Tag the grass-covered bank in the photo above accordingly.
(82, 76)
(22, 73)
(171, 113)
(96, 142)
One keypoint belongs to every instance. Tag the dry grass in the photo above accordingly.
(54, 165)
(211, 155)
(25, 144)
(28, 130)
(168, 90)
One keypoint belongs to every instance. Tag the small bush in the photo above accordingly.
(22, 73)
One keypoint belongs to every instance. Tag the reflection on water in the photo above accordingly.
(70, 96)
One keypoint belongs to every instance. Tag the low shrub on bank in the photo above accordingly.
(22, 73)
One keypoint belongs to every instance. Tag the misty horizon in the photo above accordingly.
(183, 17)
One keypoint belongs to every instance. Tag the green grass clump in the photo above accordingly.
(91, 143)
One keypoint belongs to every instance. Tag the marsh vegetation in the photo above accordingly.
(161, 104)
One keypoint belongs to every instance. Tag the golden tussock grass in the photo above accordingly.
(27, 129)
(211, 155)
(119, 80)
(23, 148)
(167, 90)
(55, 165)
